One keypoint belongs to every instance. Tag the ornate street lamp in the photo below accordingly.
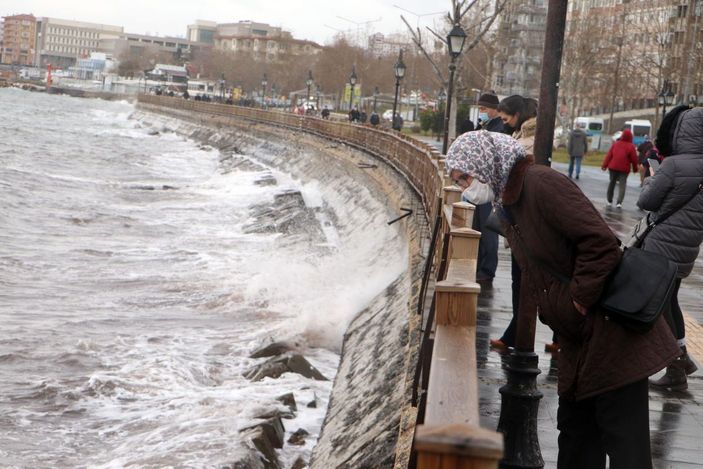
(264, 82)
(399, 71)
(308, 82)
(375, 97)
(455, 40)
(352, 82)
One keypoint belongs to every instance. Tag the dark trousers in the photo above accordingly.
(617, 177)
(515, 274)
(674, 315)
(615, 423)
(508, 337)
(487, 261)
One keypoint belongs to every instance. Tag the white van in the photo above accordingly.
(640, 128)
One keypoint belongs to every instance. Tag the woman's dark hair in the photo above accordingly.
(665, 134)
(524, 108)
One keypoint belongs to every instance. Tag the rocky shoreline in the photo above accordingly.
(368, 422)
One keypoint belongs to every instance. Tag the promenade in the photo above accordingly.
(676, 419)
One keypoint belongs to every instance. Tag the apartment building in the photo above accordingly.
(264, 42)
(520, 38)
(381, 45)
(62, 42)
(177, 49)
(202, 31)
(19, 39)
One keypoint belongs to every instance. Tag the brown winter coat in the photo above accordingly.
(561, 228)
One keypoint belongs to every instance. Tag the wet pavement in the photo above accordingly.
(676, 418)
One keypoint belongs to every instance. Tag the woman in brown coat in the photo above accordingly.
(555, 231)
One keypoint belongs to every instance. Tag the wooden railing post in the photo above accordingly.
(457, 447)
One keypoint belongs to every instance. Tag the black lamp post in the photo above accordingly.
(222, 87)
(455, 39)
(399, 71)
(375, 97)
(308, 82)
(264, 82)
(352, 83)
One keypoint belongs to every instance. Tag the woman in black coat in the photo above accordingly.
(680, 141)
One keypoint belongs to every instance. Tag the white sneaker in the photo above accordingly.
(619, 205)
(609, 204)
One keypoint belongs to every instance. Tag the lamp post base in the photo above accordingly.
(518, 413)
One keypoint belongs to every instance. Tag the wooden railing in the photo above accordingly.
(450, 436)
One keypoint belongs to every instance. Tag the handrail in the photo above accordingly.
(450, 436)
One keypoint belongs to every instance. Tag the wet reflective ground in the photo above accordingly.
(676, 418)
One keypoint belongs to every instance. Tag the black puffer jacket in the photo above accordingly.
(679, 237)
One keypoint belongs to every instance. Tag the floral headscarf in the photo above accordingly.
(486, 156)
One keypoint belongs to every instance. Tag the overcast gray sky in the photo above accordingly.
(316, 20)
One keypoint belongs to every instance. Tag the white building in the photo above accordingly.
(62, 42)
(381, 45)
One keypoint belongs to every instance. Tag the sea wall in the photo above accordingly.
(369, 420)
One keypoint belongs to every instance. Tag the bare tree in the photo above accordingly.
(476, 18)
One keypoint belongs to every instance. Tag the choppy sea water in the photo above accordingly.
(131, 291)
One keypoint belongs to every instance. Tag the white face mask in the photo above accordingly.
(478, 193)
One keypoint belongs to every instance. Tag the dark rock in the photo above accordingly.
(298, 438)
(273, 429)
(266, 180)
(298, 364)
(253, 460)
(263, 445)
(153, 132)
(290, 363)
(313, 404)
(299, 463)
(288, 400)
(272, 349)
(272, 368)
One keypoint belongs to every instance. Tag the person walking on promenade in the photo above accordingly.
(643, 150)
(603, 367)
(488, 113)
(620, 157)
(679, 236)
(519, 117)
(577, 148)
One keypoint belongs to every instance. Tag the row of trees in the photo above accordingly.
(626, 68)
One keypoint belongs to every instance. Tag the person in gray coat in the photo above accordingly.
(679, 237)
(577, 147)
